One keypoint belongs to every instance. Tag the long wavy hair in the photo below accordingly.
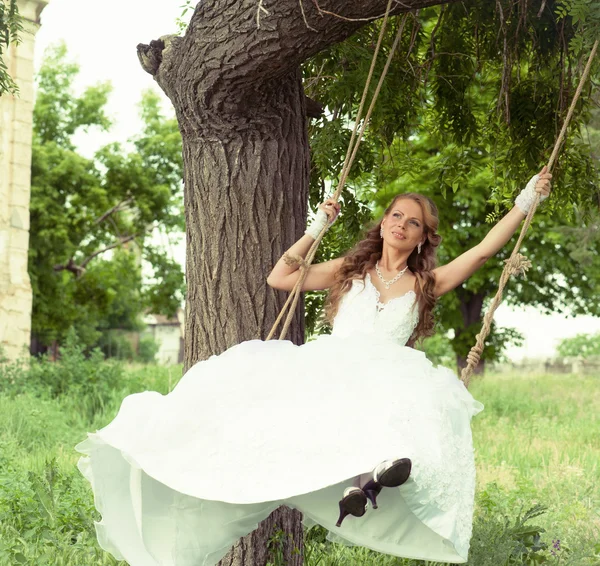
(368, 251)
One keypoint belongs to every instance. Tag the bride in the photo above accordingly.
(357, 430)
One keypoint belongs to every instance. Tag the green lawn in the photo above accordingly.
(537, 443)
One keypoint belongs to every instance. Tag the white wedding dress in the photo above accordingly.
(179, 478)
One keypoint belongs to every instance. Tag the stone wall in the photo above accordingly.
(15, 180)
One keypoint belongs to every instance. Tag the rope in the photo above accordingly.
(518, 263)
(355, 140)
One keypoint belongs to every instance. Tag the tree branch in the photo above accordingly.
(112, 246)
(118, 208)
(314, 109)
(79, 270)
(259, 10)
(70, 266)
(150, 56)
(367, 20)
(541, 9)
(230, 72)
(308, 26)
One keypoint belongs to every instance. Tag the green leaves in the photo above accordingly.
(92, 219)
(10, 28)
(467, 118)
(583, 346)
(165, 292)
(584, 15)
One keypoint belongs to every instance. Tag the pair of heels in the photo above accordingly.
(391, 473)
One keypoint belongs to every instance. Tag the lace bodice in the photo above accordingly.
(361, 311)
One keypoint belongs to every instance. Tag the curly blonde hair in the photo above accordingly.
(368, 251)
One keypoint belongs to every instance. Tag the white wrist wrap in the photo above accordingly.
(317, 224)
(527, 195)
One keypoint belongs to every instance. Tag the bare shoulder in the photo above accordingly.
(433, 273)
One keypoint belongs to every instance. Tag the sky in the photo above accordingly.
(102, 38)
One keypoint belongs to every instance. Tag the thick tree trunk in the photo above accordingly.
(471, 306)
(235, 83)
(245, 199)
(278, 536)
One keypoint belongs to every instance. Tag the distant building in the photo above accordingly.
(16, 128)
(168, 333)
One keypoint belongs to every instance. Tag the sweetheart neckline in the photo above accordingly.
(378, 294)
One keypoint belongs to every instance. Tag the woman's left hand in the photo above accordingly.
(544, 185)
(539, 183)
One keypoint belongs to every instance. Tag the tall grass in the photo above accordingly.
(537, 449)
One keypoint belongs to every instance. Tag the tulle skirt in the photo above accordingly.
(178, 478)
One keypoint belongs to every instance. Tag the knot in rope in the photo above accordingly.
(474, 355)
(517, 264)
(293, 260)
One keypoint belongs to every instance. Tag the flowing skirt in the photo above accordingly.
(178, 478)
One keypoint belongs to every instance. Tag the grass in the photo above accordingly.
(539, 438)
(537, 443)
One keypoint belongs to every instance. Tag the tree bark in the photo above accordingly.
(471, 306)
(279, 536)
(235, 84)
(245, 199)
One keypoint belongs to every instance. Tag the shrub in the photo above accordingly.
(499, 539)
(47, 518)
(114, 344)
(147, 350)
(438, 350)
(581, 346)
(91, 379)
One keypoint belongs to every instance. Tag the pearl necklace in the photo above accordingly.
(391, 281)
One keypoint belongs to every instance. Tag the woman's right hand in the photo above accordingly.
(331, 208)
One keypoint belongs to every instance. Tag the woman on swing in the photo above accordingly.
(352, 423)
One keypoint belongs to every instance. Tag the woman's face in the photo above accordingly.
(403, 226)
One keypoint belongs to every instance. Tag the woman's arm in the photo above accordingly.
(320, 275)
(452, 274)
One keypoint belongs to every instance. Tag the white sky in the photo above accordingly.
(102, 38)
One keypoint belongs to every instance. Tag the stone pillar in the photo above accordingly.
(16, 119)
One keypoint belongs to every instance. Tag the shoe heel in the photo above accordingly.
(372, 496)
(353, 503)
(343, 514)
(372, 489)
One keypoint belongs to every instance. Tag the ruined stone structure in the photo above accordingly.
(16, 118)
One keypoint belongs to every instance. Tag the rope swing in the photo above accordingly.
(355, 140)
(516, 264)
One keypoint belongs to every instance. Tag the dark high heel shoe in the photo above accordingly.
(391, 473)
(353, 503)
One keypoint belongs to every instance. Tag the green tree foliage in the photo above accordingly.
(91, 219)
(183, 20)
(581, 346)
(438, 349)
(10, 28)
(470, 109)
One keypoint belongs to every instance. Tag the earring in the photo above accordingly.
(381, 232)
(419, 248)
